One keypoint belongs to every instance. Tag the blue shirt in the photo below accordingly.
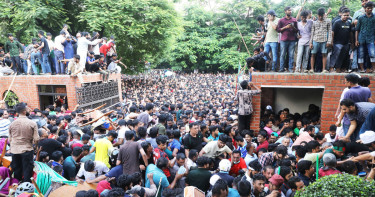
(243, 150)
(115, 172)
(366, 28)
(158, 174)
(175, 144)
(68, 49)
(233, 193)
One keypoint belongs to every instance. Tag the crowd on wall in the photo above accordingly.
(309, 43)
(65, 54)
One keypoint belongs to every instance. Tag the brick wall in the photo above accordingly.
(333, 85)
(26, 86)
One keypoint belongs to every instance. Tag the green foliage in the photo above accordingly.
(144, 29)
(339, 185)
(11, 99)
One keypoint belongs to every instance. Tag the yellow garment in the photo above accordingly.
(102, 148)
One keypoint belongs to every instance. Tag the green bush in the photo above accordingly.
(338, 185)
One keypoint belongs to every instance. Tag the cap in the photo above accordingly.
(367, 137)
(62, 32)
(49, 34)
(269, 107)
(225, 165)
(271, 12)
(276, 180)
(214, 179)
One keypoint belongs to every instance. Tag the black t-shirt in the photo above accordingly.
(191, 142)
(50, 145)
(341, 32)
(45, 49)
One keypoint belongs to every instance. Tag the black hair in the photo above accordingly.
(112, 133)
(262, 150)
(287, 8)
(281, 149)
(321, 11)
(142, 131)
(260, 18)
(304, 13)
(124, 181)
(263, 133)
(89, 166)
(145, 145)
(54, 129)
(154, 132)
(41, 32)
(218, 187)
(77, 57)
(20, 108)
(255, 165)
(285, 162)
(332, 128)
(180, 156)
(319, 136)
(81, 193)
(192, 153)
(292, 182)
(86, 147)
(56, 155)
(244, 188)
(161, 139)
(77, 151)
(346, 10)
(149, 106)
(347, 102)
(92, 193)
(339, 143)
(176, 134)
(86, 137)
(224, 138)
(312, 145)
(136, 178)
(58, 168)
(284, 170)
(303, 165)
(258, 177)
(162, 163)
(42, 155)
(257, 49)
(369, 4)
(238, 138)
(201, 161)
(129, 135)
(364, 82)
(212, 128)
(116, 192)
(300, 151)
(348, 167)
(310, 128)
(244, 84)
(352, 78)
(236, 151)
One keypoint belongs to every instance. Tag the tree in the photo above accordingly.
(144, 29)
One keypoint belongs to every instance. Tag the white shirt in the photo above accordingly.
(190, 163)
(121, 133)
(96, 47)
(329, 139)
(58, 44)
(51, 45)
(100, 169)
(83, 45)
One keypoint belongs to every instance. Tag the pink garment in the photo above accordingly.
(327, 172)
(269, 131)
(304, 136)
(5, 173)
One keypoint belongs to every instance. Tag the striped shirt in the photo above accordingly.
(4, 127)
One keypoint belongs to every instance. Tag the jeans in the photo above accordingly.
(355, 59)
(24, 66)
(338, 55)
(371, 52)
(34, 56)
(287, 47)
(46, 67)
(17, 66)
(60, 68)
(302, 57)
(369, 124)
(273, 47)
(23, 164)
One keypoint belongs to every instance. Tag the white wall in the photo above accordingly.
(297, 99)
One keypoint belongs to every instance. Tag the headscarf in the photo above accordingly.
(5, 173)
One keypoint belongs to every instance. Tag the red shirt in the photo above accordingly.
(159, 153)
(327, 172)
(263, 145)
(236, 167)
(103, 185)
(105, 48)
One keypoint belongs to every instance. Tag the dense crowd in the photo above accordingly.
(311, 44)
(86, 53)
(191, 130)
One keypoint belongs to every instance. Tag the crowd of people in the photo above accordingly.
(191, 130)
(83, 54)
(318, 44)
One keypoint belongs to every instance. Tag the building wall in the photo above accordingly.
(333, 85)
(26, 86)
